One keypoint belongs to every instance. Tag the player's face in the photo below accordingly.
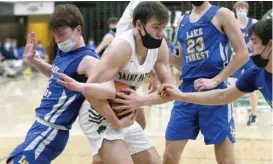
(62, 34)
(112, 26)
(241, 9)
(258, 48)
(155, 28)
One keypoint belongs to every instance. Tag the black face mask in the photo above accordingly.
(259, 61)
(197, 3)
(113, 29)
(148, 41)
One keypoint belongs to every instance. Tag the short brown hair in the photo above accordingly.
(148, 9)
(241, 4)
(112, 20)
(66, 15)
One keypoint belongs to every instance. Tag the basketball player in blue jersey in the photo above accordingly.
(129, 59)
(59, 106)
(110, 36)
(258, 77)
(204, 34)
(241, 10)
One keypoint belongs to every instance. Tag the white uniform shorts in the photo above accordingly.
(96, 128)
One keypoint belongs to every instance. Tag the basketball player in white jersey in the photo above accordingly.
(129, 59)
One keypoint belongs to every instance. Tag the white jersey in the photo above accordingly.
(133, 73)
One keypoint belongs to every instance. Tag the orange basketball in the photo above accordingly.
(119, 86)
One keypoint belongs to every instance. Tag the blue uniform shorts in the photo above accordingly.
(215, 122)
(41, 145)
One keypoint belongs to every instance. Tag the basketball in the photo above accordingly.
(119, 86)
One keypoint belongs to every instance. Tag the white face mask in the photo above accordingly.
(241, 14)
(7, 46)
(67, 45)
(91, 42)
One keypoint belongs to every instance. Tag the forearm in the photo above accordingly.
(103, 107)
(102, 91)
(41, 66)
(100, 47)
(152, 99)
(213, 97)
(237, 61)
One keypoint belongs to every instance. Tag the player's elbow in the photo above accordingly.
(242, 55)
(108, 94)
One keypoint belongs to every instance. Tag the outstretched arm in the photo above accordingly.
(29, 56)
(213, 97)
(96, 93)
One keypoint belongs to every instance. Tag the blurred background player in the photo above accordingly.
(91, 44)
(241, 11)
(11, 64)
(109, 36)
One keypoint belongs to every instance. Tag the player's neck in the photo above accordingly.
(268, 67)
(140, 49)
(202, 8)
(79, 44)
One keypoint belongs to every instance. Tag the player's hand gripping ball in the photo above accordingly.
(119, 86)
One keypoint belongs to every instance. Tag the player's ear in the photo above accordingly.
(79, 29)
(138, 24)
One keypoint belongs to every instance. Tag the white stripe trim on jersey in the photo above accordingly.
(55, 107)
(226, 53)
(37, 139)
(41, 121)
(59, 112)
(230, 106)
(45, 142)
(222, 54)
(230, 112)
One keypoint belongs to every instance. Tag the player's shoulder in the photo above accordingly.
(119, 49)
(224, 12)
(252, 72)
(120, 43)
(109, 36)
(179, 20)
(255, 69)
(87, 51)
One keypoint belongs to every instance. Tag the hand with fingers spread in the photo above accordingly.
(69, 82)
(128, 102)
(30, 48)
(202, 84)
(169, 91)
